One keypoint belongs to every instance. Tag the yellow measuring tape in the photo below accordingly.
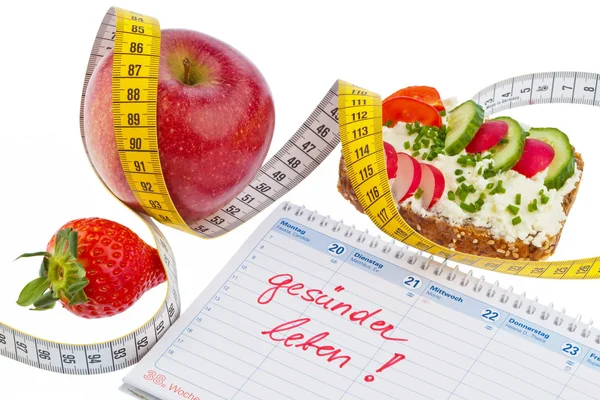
(346, 111)
(135, 89)
(135, 80)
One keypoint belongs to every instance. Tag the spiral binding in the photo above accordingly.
(531, 308)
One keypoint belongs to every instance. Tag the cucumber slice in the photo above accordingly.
(563, 164)
(508, 153)
(463, 122)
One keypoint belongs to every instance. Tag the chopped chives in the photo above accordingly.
(443, 113)
(461, 179)
(470, 208)
(498, 189)
(516, 220)
(488, 173)
(451, 195)
(480, 170)
(407, 145)
(541, 192)
(532, 206)
(545, 199)
(416, 146)
(514, 210)
(416, 154)
(424, 156)
(480, 201)
(418, 193)
(518, 199)
(489, 186)
(458, 172)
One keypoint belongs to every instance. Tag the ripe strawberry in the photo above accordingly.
(95, 267)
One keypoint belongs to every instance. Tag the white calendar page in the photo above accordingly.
(310, 309)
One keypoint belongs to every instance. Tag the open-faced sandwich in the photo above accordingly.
(493, 188)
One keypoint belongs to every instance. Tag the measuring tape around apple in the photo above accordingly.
(135, 39)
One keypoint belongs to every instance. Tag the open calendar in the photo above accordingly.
(310, 308)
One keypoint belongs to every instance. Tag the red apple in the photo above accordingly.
(537, 156)
(408, 177)
(215, 118)
(432, 185)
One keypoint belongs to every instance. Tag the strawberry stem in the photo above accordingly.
(60, 275)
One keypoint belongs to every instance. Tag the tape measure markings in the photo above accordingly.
(280, 174)
(136, 59)
(121, 352)
(540, 88)
(345, 112)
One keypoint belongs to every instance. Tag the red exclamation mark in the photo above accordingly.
(395, 359)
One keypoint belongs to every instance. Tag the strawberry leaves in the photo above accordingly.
(61, 275)
(33, 291)
(46, 302)
(39, 253)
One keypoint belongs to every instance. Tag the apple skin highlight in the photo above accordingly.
(213, 132)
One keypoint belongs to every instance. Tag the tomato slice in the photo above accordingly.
(426, 94)
(408, 109)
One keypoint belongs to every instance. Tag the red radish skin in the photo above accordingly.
(391, 160)
(537, 156)
(432, 184)
(489, 134)
(408, 177)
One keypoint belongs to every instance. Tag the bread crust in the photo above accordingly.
(468, 238)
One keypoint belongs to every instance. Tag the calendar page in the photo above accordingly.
(309, 308)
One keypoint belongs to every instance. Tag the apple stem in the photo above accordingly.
(186, 71)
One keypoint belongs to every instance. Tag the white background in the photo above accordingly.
(301, 48)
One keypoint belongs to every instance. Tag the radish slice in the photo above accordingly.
(391, 160)
(408, 177)
(537, 156)
(489, 134)
(432, 185)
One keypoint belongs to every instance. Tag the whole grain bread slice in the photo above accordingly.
(468, 238)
